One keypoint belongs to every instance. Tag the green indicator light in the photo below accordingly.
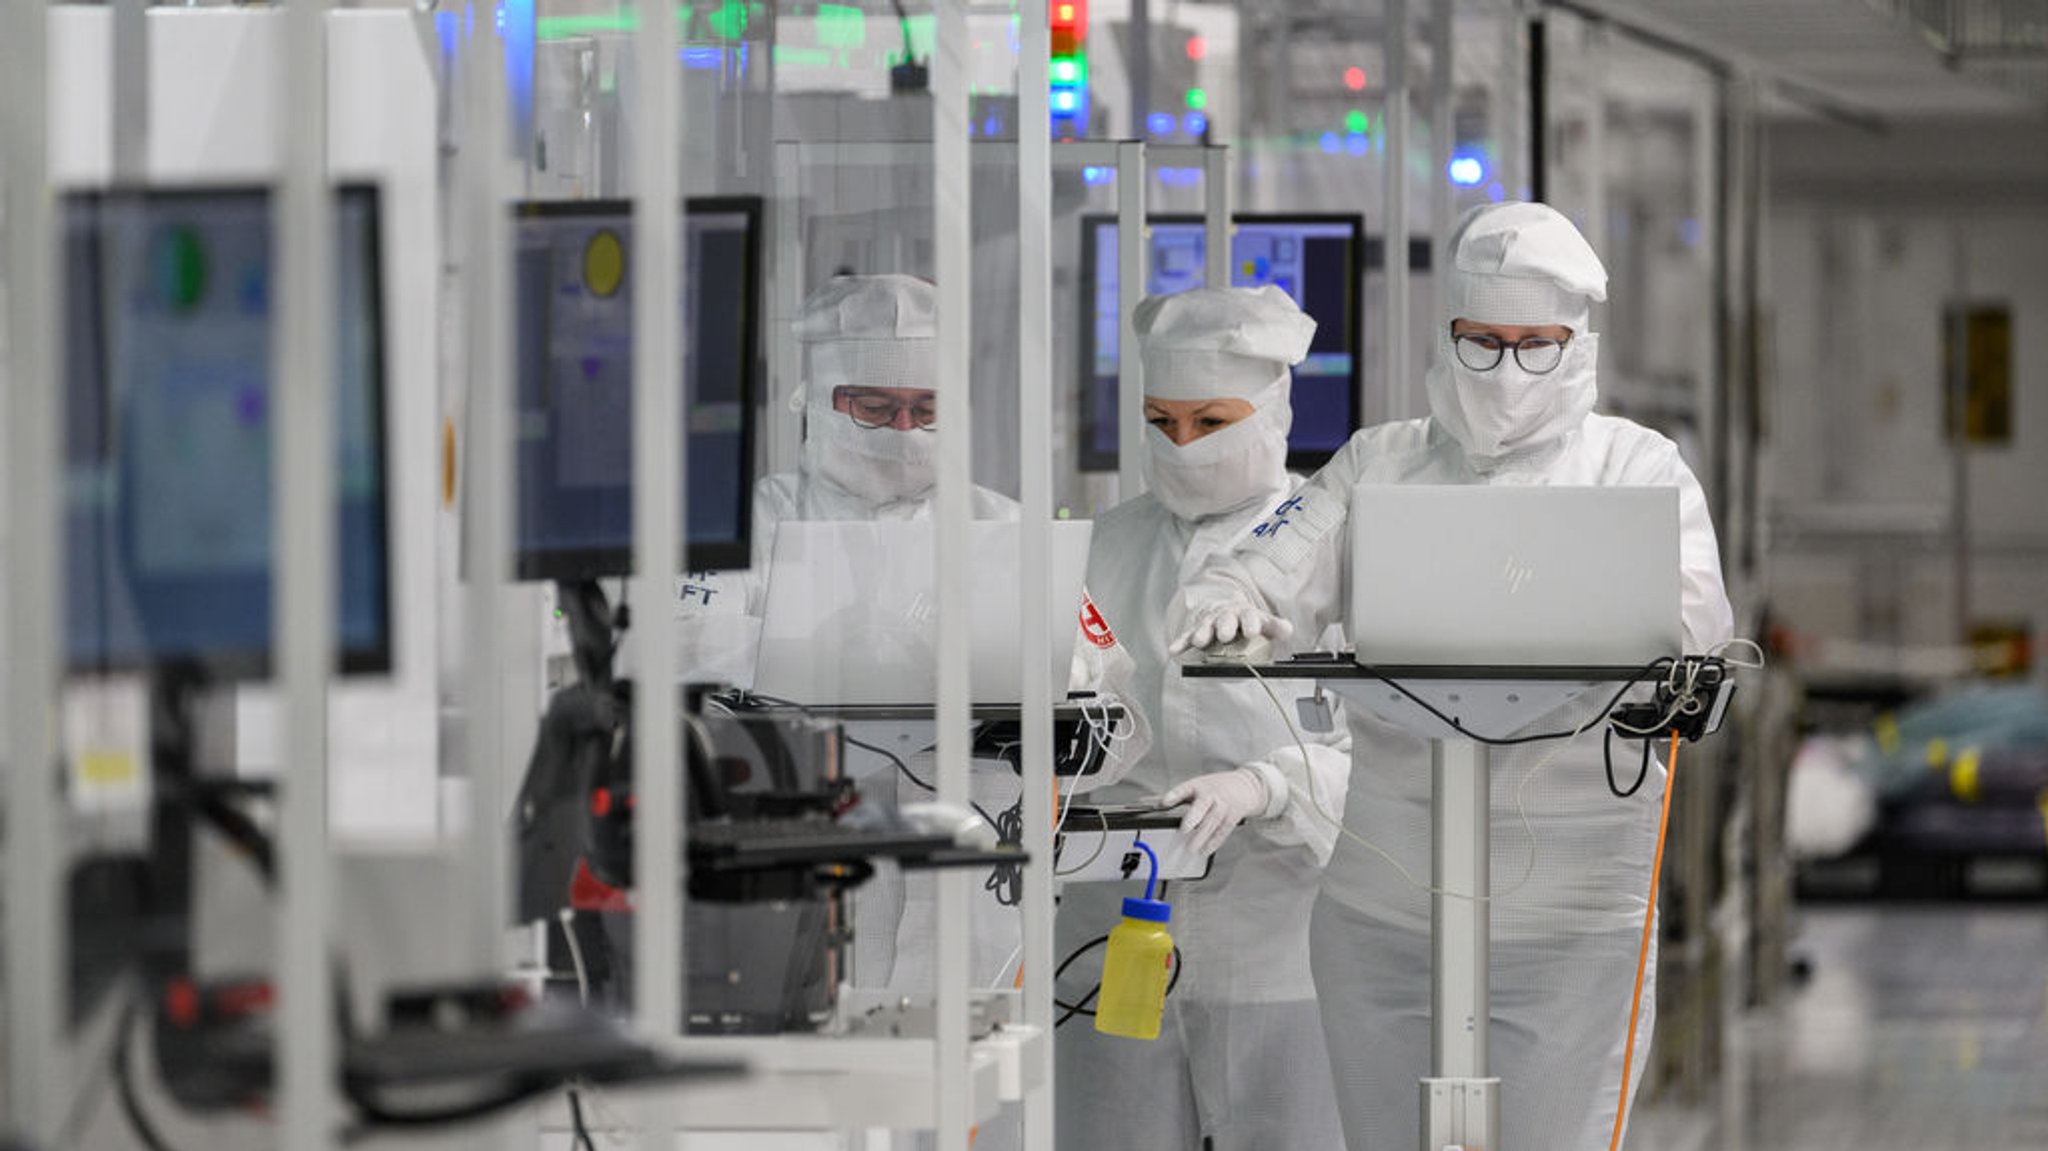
(180, 265)
(729, 22)
(790, 56)
(563, 27)
(1197, 99)
(1068, 71)
(921, 32)
(841, 26)
(1356, 123)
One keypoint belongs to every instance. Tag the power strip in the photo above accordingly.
(1711, 685)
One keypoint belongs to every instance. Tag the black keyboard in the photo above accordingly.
(779, 841)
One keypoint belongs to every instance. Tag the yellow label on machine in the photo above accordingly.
(1963, 779)
(106, 768)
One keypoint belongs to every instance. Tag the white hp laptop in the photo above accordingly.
(1507, 577)
(851, 616)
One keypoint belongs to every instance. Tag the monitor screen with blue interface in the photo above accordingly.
(574, 329)
(167, 433)
(1314, 259)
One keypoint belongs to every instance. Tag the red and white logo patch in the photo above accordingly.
(1094, 626)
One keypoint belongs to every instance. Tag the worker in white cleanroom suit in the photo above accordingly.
(871, 401)
(1511, 402)
(1240, 1057)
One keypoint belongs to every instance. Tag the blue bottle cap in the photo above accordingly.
(1149, 910)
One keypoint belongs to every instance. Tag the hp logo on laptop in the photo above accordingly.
(1516, 573)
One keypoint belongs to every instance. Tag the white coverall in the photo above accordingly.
(1240, 1054)
(1239, 1060)
(861, 332)
(901, 956)
(1564, 944)
(875, 332)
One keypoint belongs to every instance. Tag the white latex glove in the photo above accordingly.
(1217, 803)
(1227, 622)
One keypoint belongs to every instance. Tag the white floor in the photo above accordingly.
(1921, 1029)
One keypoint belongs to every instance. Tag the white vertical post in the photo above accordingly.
(486, 504)
(1706, 241)
(1133, 251)
(1034, 453)
(782, 431)
(658, 447)
(1216, 229)
(1460, 916)
(302, 468)
(1394, 130)
(1443, 138)
(952, 238)
(1510, 116)
(1600, 49)
(131, 91)
(33, 874)
(1460, 1103)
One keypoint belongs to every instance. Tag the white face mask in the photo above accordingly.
(1509, 412)
(1224, 470)
(879, 465)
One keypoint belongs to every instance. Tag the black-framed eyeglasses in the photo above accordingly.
(1537, 355)
(873, 410)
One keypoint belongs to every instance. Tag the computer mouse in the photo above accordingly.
(1255, 649)
(966, 826)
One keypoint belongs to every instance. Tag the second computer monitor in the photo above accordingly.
(1315, 259)
(168, 326)
(574, 330)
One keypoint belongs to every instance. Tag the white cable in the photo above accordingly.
(1720, 650)
(1300, 743)
(568, 918)
(607, 1122)
(1102, 730)
(1101, 841)
(1066, 803)
(1005, 968)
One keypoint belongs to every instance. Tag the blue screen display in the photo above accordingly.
(574, 355)
(1314, 260)
(167, 453)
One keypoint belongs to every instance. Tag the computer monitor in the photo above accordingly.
(1313, 258)
(574, 472)
(168, 433)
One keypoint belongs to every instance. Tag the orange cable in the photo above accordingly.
(1635, 1003)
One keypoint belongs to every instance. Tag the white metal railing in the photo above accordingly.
(33, 944)
(1034, 481)
(303, 551)
(658, 449)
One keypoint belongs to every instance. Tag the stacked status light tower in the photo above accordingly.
(1069, 69)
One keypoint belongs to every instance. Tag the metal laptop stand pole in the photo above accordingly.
(1460, 1101)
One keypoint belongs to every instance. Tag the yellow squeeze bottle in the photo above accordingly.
(1137, 965)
